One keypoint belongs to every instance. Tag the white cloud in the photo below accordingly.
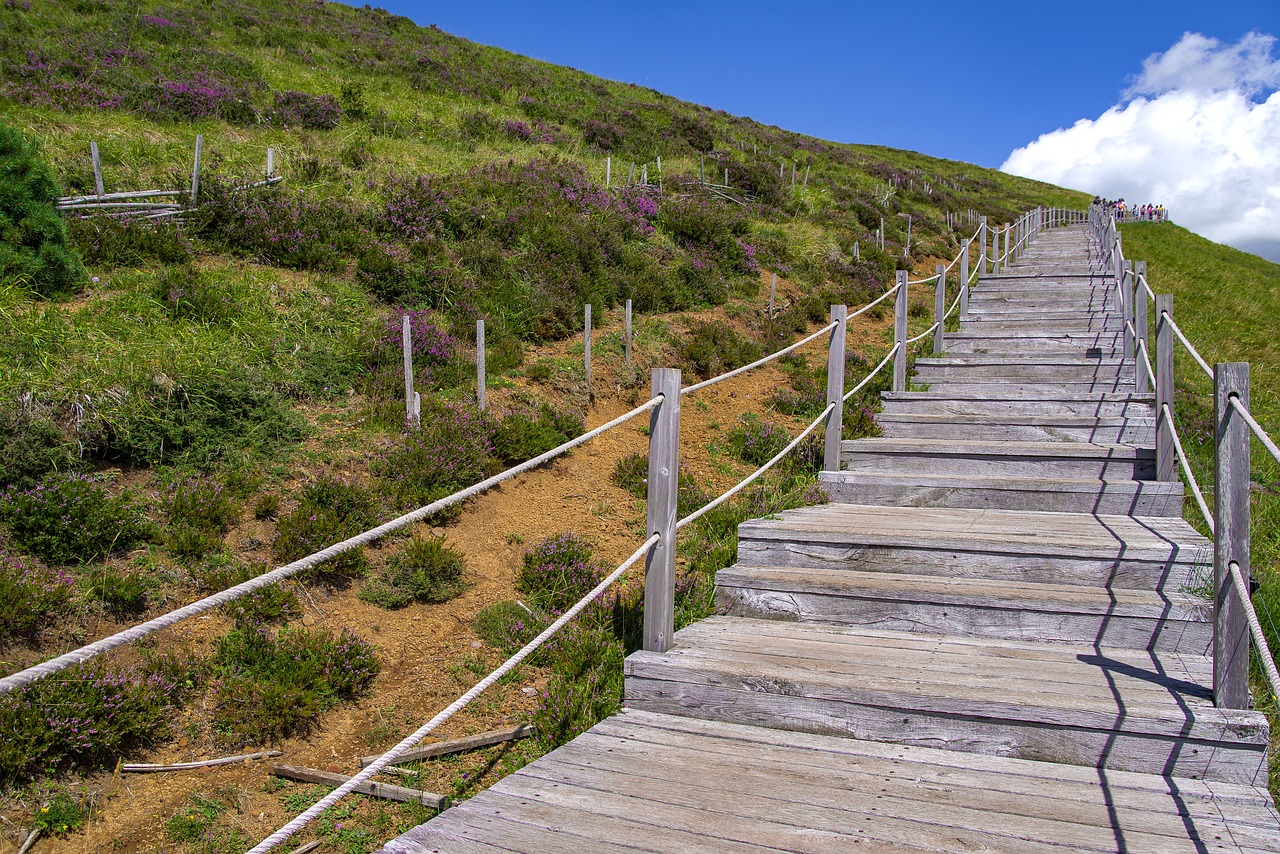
(1202, 138)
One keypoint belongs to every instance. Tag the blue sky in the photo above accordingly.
(971, 82)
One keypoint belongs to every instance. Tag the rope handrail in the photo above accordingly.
(751, 478)
(1146, 361)
(851, 392)
(422, 732)
(1195, 354)
(1255, 427)
(955, 304)
(884, 296)
(924, 334)
(1147, 287)
(62, 662)
(758, 362)
(932, 278)
(1255, 628)
(1186, 468)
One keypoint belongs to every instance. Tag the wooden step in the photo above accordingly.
(995, 386)
(1054, 495)
(1156, 553)
(1046, 368)
(1084, 323)
(625, 786)
(1074, 460)
(1011, 402)
(1120, 709)
(970, 607)
(1075, 346)
(1135, 430)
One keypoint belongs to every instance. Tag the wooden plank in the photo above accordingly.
(369, 787)
(458, 745)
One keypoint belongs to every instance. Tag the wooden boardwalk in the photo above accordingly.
(987, 641)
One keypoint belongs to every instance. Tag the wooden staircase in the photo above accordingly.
(991, 639)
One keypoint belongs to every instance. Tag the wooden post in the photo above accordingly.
(410, 396)
(271, 161)
(964, 280)
(702, 169)
(195, 170)
(856, 253)
(586, 345)
(664, 467)
(726, 176)
(608, 171)
(1231, 536)
(806, 176)
(982, 246)
(900, 334)
(97, 168)
(835, 389)
(1166, 454)
(644, 174)
(631, 173)
(1126, 313)
(1007, 257)
(626, 344)
(939, 308)
(480, 384)
(773, 288)
(1141, 325)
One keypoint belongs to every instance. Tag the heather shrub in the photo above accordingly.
(328, 512)
(199, 512)
(298, 109)
(437, 360)
(603, 135)
(507, 625)
(291, 229)
(558, 571)
(756, 441)
(198, 98)
(710, 348)
(68, 518)
(189, 294)
(270, 604)
(586, 681)
(479, 125)
(121, 592)
(423, 570)
(30, 594)
(91, 715)
(111, 241)
(269, 685)
(450, 450)
(533, 429)
(33, 240)
(31, 446)
(807, 392)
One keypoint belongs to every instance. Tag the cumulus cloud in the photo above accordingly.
(1200, 135)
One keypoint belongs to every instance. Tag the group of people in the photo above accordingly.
(1124, 212)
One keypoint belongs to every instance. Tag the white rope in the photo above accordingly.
(758, 362)
(924, 334)
(1256, 428)
(1195, 354)
(1146, 362)
(390, 756)
(1150, 293)
(1255, 629)
(932, 278)
(851, 392)
(751, 478)
(1186, 469)
(955, 304)
(884, 296)
(62, 662)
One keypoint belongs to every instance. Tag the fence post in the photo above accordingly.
(411, 411)
(1141, 325)
(271, 161)
(964, 280)
(900, 334)
(664, 467)
(586, 345)
(195, 170)
(982, 246)
(627, 342)
(97, 168)
(1166, 454)
(773, 288)
(1007, 257)
(480, 364)
(835, 389)
(1126, 313)
(939, 308)
(1231, 536)
(608, 171)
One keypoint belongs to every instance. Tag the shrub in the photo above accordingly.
(710, 348)
(586, 683)
(530, 430)
(61, 815)
(292, 229)
(755, 441)
(192, 823)
(30, 593)
(507, 625)
(121, 593)
(91, 715)
(31, 447)
(111, 241)
(269, 604)
(450, 450)
(33, 240)
(270, 685)
(329, 511)
(199, 513)
(424, 570)
(198, 98)
(558, 571)
(267, 506)
(70, 518)
(602, 135)
(806, 396)
(479, 125)
(298, 109)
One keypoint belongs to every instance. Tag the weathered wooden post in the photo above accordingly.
(1231, 536)
(939, 308)
(480, 364)
(97, 168)
(982, 246)
(1126, 314)
(1166, 453)
(900, 334)
(412, 402)
(773, 289)
(586, 345)
(626, 344)
(1005, 255)
(608, 171)
(664, 467)
(964, 280)
(835, 390)
(195, 170)
(1140, 324)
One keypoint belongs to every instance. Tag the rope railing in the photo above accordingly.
(422, 732)
(758, 362)
(1146, 361)
(1256, 428)
(1195, 354)
(924, 334)
(69, 659)
(887, 358)
(884, 296)
(1255, 628)
(1186, 468)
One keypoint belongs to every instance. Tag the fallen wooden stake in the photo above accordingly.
(457, 745)
(377, 790)
(31, 840)
(145, 768)
(310, 846)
